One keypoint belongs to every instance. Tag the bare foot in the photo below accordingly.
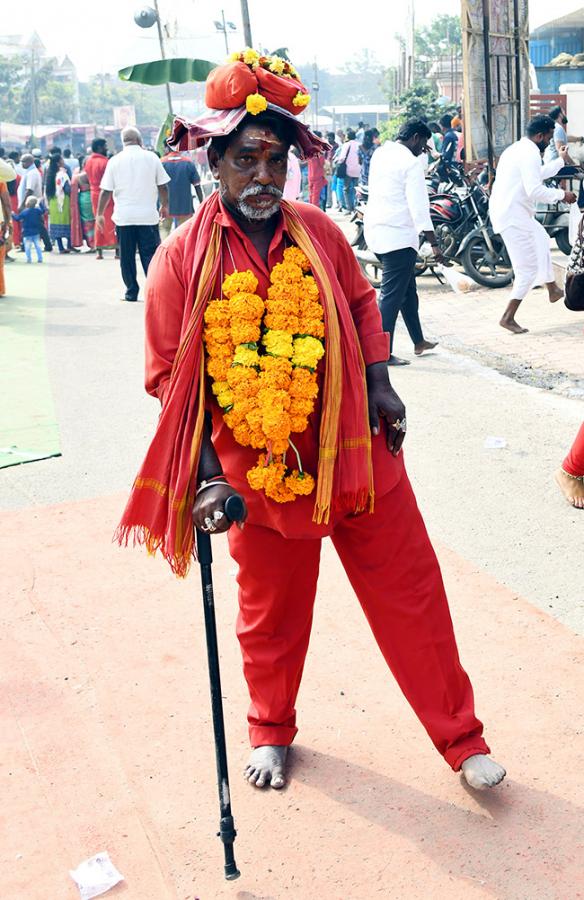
(423, 346)
(555, 292)
(267, 765)
(397, 361)
(482, 772)
(571, 487)
(512, 326)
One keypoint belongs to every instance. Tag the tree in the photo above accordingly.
(12, 76)
(439, 38)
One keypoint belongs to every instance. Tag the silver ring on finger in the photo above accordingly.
(209, 524)
(218, 515)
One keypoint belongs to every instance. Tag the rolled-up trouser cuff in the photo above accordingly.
(455, 756)
(273, 735)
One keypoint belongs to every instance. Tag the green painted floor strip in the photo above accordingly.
(28, 423)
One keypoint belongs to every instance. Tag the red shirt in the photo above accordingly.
(294, 519)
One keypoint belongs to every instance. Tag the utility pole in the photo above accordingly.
(246, 23)
(315, 89)
(33, 96)
(162, 52)
(225, 32)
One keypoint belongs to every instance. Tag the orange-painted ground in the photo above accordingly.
(107, 740)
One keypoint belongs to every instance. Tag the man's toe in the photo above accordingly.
(261, 778)
(278, 779)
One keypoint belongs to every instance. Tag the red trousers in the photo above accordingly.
(394, 572)
(574, 461)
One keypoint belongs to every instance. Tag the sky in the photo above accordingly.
(105, 38)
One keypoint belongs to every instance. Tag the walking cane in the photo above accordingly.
(234, 511)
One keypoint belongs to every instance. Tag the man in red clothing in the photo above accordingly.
(349, 446)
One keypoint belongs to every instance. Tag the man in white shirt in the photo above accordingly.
(517, 189)
(137, 180)
(31, 184)
(397, 211)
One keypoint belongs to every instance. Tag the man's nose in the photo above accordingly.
(263, 174)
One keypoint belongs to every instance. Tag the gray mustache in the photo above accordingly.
(254, 189)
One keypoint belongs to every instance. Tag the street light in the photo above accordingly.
(145, 18)
(224, 26)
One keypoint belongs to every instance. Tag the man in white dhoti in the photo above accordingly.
(517, 189)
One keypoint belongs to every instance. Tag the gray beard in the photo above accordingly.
(253, 214)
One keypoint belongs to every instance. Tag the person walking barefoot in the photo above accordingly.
(570, 476)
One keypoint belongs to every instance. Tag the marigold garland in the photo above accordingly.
(262, 358)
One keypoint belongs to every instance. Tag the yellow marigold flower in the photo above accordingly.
(278, 343)
(245, 356)
(244, 305)
(217, 367)
(250, 56)
(297, 256)
(315, 327)
(286, 272)
(243, 332)
(283, 323)
(298, 424)
(276, 65)
(276, 424)
(235, 56)
(240, 282)
(255, 104)
(219, 386)
(217, 313)
(307, 352)
(225, 398)
(301, 100)
(300, 483)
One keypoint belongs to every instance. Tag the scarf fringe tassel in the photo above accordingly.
(140, 535)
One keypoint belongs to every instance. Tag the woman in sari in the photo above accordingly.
(95, 166)
(58, 191)
(82, 217)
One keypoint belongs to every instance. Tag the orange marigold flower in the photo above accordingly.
(310, 288)
(288, 273)
(279, 492)
(245, 305)
(242, 434)
(244, 332)
(301, 407)
(257, 440)
(297, 256)
(298, 424)
(276, 424)
(240, 282)
(238, 375)
(217, 349)
(254, 419)
(304, 384)
(314, 327)
(276, 364)
(282, 323)
(217, 313)
(218, 367)
(269, 398)
(256, 476)
(300, 483)
(311, 309)
(218, 333)
(279, 446)
(287, 295)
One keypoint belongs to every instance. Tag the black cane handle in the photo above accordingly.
(234, 508)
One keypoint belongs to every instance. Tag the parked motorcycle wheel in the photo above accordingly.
(563, 241)
(487, 268)
(372, 273)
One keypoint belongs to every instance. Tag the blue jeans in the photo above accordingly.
(349, 190)
(34, 240)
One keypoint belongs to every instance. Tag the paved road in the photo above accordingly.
(108, 735)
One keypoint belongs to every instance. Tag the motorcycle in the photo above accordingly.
(555, 217)
(464, 233)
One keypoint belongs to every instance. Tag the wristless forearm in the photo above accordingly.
(209, 464)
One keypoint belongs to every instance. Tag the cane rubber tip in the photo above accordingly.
(232, 876)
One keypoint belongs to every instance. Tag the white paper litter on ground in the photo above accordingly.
(460, 284)
(95, 876)
(495, 443)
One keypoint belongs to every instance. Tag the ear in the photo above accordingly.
(214, 159)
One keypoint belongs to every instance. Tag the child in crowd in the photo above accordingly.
(31, 218)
